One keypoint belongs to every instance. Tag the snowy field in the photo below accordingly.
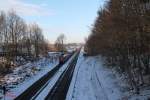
(25, 75)
(94, 81)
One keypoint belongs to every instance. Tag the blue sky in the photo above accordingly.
(71, 17)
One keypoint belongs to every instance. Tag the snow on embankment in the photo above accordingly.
(24, 76)
(115, 84)
(94, 81)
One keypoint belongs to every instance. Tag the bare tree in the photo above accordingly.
(59, 44)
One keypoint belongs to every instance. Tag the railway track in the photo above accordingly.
(59, 90)
(35, 87)
(38, 86)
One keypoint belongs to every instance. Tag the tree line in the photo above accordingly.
(18, 38)
(121, 34)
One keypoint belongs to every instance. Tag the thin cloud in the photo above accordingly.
(25, 9)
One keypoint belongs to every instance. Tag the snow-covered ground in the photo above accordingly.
(25, 75)
(93, 80)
